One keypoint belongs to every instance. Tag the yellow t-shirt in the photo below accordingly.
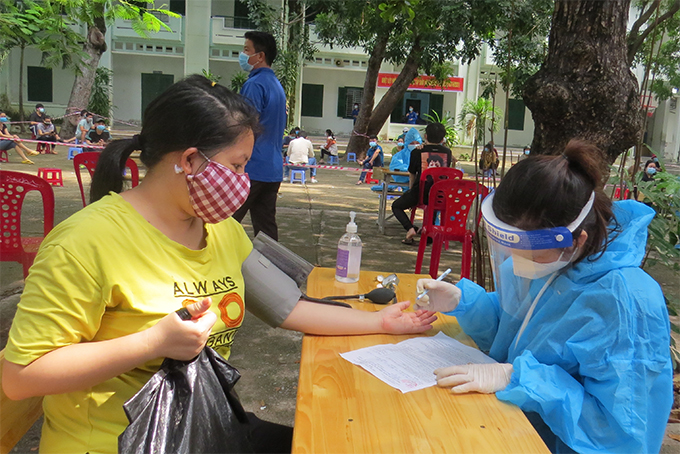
(104, 273)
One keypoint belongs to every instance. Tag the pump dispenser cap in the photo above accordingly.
(351, 226)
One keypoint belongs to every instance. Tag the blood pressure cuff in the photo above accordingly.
(270, 294)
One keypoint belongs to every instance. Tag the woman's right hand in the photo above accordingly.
(441, 296)
(174, 338)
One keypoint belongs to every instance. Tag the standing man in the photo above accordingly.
(265, 168)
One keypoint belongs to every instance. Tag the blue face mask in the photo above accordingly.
(373, 144)
(527, 152)
(651, 171)
(243, 62)
(400, 145)
(101, 128)
(410, 109)
(4, 119)
(41, 109)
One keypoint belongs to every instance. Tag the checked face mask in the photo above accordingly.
(217, 192)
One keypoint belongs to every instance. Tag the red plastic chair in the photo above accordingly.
(13, 188)
(617, 194)
(369, 178)
(450, 202)
(437, 174)
(39, 147)
(89, 160)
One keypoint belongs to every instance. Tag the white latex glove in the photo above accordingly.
(481, 378)
(441, 296)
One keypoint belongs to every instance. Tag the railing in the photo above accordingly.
(123, 29)
(229, 30)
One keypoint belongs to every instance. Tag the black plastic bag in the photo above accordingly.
(187, 407)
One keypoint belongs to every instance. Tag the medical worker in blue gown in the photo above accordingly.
(580, 332)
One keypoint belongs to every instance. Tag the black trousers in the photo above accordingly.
(262, 205)
(268, 437)
(408, 200)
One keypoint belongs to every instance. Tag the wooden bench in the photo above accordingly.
(16, 416)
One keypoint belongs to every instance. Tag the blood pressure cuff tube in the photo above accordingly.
(270, 294)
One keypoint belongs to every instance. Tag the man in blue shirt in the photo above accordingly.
(411, 116)
(265, 167)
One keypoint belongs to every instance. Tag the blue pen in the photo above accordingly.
(444, 274)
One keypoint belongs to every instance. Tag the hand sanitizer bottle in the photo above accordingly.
(348, 262)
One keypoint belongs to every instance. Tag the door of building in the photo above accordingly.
(153, 85)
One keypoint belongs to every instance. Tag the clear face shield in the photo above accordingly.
(520, 259)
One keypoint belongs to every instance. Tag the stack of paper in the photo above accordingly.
(409, 365)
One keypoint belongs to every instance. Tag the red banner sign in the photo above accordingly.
(422, 82)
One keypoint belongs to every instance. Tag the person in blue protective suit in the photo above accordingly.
(580, 332)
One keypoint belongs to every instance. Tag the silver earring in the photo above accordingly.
(178, 169)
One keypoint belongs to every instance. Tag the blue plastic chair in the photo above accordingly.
(72, 151)
(333, 160)
(298, 175)
(351, 157)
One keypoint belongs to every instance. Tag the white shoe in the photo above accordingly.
(285, 178)
(314, 180)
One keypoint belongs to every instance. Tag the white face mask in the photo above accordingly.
(529, 269)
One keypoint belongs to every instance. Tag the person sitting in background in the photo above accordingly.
(651, 168)
(398, 147)
(7, 141)
(355, 113)
(331, 146)
(488, 162)
(98, 135)
(403, 133)
(432, 154)
(84, 125)
(525, 153)
(374, 157)
(36, 118)
(47, 133)
(286, 141)
(301, 151)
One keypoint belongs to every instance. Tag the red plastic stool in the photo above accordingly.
(52, 176)
(4, 157)
(369, 178)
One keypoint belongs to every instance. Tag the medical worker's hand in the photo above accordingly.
(481, 378)
(441, 296)
(396, 321)
(175, 338)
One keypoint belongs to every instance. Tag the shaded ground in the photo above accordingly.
(311, 220)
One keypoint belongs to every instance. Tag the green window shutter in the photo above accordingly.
(39, 83)
(342, 101)
(516, 115)
(397, 115)
(436, 104)
(312, 100)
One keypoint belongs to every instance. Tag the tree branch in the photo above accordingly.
(634, 43)
(644, 17)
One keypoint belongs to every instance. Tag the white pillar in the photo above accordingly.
(197, 36)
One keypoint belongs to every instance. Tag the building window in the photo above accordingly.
(39, 83)
(312, 100)
(516, 115)
(347, 97)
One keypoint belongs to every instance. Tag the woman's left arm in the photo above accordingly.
(315, 318)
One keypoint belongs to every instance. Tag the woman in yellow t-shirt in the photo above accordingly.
(97, 315)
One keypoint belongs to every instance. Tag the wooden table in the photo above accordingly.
(386, 178)
(341, 408)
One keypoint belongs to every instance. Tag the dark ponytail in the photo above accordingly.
(193, 112)
(550, 191)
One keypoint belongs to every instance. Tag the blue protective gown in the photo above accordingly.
(593, 363)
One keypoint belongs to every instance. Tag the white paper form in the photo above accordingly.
(409, 365)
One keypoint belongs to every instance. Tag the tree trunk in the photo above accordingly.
(359, 143)
(585, 89)
(95, 46)
(21, 89)
(375, 118)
